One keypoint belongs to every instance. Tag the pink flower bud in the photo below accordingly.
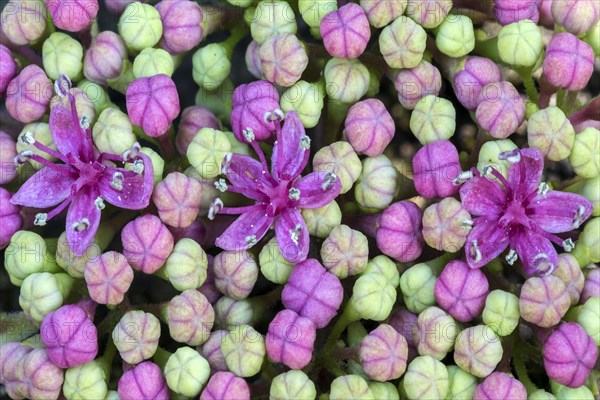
(405, 323)
(10, 214)
(435, 166)
(253, 62)
(380, 13)
(41, 378)
(23, 21)
(500, 385)
(8, 68)
(8, 151)
(182, 25)
(283, 59)
(346, 31)
(569, 272)
(153, 103)
(577, 16)
(415, 83)
(146, 243)
(72, 15)
(144, 381)
(28, 94)
(193, 119)
(136, 336)
(444, 226)
(177, 199)
(369, 127)
(475, 74)
(10, 355)
(108, 278)
(211, 350)
(291, 339)
(118, 6)
(225, 385)
(236, 273)
(501, 109)
(509, 11)
(251, 103)
(383, 354)
(399, 232)
(104, 58)
(544, 301)
(190, 318)
(591, 287)
(569, 62)
(345, 252)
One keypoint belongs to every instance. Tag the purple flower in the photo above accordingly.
(85, 180)
(279, 195)
(521, 213)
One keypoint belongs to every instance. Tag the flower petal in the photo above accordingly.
(485, 242)
(136, 188)
(558, 212)
(292, 235)
(83, 219)
(312, 194)
(536, 252)
(68, 135)
(248, 229)
(290, 153)
(524, 176)
(45, 188)
(247, 174)
(482, 196)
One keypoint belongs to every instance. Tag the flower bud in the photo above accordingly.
(593, 38)
(151, 62)
(378, 184)
(500, 385)
(383, 354)
(211, 65)
(43, 292)
(230, 313)
(384, 266)
(350, 387)
(544, 300)
(501, 312)
(283, 59)
(433, 119)
(251, 102)
(567, 393)
(369, 127)
(113, 133)
(461, 384)
(373, 297)
(435, 166)
(235, 273)
(293, 384)
(225, 385)
(489, 155)
(272, 18)
(62, 55)
(426, 372)
(8, 68)
(10, 355)
(207, 151)
(417, 286)
(435, 333)
(11, 220)
(186, 266)
(190, 318)
(29, 93)
(193, 119)
(273, 265)
(540, 395)
(144, 381)
(186, 372)
(8, 151)
(345, 252)
(520, 43)
(290, 339)
(591, 287)
(321, 221)
(313, 11)
(478, 350)
(338, 72)
(589, 318)
(346, 31)
(340, 159)
(508, 11)
(402, 43)
(306, 99)
(569, 62)
(399, 231)
(177, 199)
(23, 21)
(501, 109)
(428, 13)
(569, 272)
(415, 83)
(455, 36)
(108, 278)
(104, 58)
(476, 72)
(146, 243)
(585, 154)
(27, 254)
(87, 381)
(380, 14)
(211, 350)
(182, 25)
(589, 240)
(41, 378)
(384, 390)
(550, 131)
(73, 16)
(577, 17)
(136, 336)
(140, 26)
(444, 227)
(244, 351)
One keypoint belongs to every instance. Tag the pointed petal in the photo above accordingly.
(67, 134)
(558, 212)
(524, 176)
(290, 154)
(288, 223)
(482, 196)
(45, 188)
(537, 253)
(247, 174)
(312, 194)
(248, 228)
(485, 242)
(136, 188)
(82, 212)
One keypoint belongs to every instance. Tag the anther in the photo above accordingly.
(275, 115)
(511, 257)
(512, 156)
(578, 217)
(40, 219)
(568, 245)
(117, 181)
(27, 138)
(294, 194)
(295, 233)
(226, 162)
(249, 135)
(305, 142)
(330, 177)
(475, 253)
(132, 152)
(221, 185)
(84, 122)
(138, 167)
(462, 178)
(81, 225)
(62, 86)
(543, 189)
(99, 203)
(251, 240)
(214, 208)
(543, 265)
(467, 223)
(22, 157)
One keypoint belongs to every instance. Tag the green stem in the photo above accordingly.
(161, 356)
(487, 47)
(107, 358)
(237, 34)
(521, 371)
(349, 315)
(526, 76)
(108, 323)
(571, 103)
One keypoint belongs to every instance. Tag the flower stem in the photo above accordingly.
(526, 76)
(107, 358)
(349, 315)
(160, 357)
(521, 371)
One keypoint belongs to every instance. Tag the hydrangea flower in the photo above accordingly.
(279, 195)
(521, 213)
(85, 180)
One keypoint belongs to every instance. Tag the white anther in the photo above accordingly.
(226, 162)
(27, 138)
(251, 240)
(305, 142)
(138, 167)
(487, 170)
(330, 177)
(99, 203)
(81, 225)
(543, 189)
(475, 253)
(578, 217)
(294, 194)
(462, 178)
(568, 245)
(117, 181)
(40, 219)
(511, 257)
(221, 185)
(467, 223)
(295, 234)
(543, 265)
(84, 122)
(249, 135)
(512, 156)
(132, 152)
(214, 208)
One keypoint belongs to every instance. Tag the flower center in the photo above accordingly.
(514, 214)
(91, 172)
(280, 198)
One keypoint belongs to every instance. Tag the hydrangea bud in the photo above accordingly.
(290, 339)
(283, 59)
(591, 287)
(340, 159)
(588, 241)
(383, 354)
(461, 384)
(207, 151)
(417, 286)
(500, 385)
(369, 127)
(244, 351)
(569, 62)
(399, 231)
(43, 292)
(8, 68)
(186, 372)
(211, 65)
(313, 11)
(378, 184)
(113, 133)
(405, 323)
(181, 21)
(589, 318)
(569, 272)
(104, 58)
(435, 166)
(382, 13)
(350, 387)
(576, 16)
(455, 36)
(433, 119)
(544, 300)
(72, 264)
(345, 252)
(584, 157)
(144, 381)
(235, 273)
(136, 336)
(426, 372)
(140, 26)
(108, 278)
(8, 151)
(62, 55)
(27, 254)
(153, 103)
(428, 13)
(211, 350)
(476, 72)
(402, 43)
(39, 376)
(230, 313)
(23, 21)
(293, 384)
(177, 199)
(251, 102)
(478, 350)
(373, 297)
(146, 243)
(461, 291)
(507, 11)
(338, 72)
(306, 99)
(273, 265)
(223, 385)
(11, 353)
(415, 83)
(501, 312)
(151, 62)
(384, 266)
(321, 221)
(489, 156)
(272, 18)
(435, 333)
(346, 31)
(87, 381)
(501, 109)
(72, 16)
(193, 119)
(11, 220)
(190, 318)
(186, 267)
(550, 131)
(520, 43)
(444, 225)
(28, 94)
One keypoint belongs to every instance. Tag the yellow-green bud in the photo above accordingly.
(402, 43)
(384, 390)
(40, 131)
(87, 381)
(338, 72)
(272, 18)
(550, 131)
(186, 372)
(433, 119)
(501, 312)
(520, 43)
(378, 183)
(590, 189)
(373, 297)
(62, 55)
(350, 387)
(42, 293)
(306, 99)
(153, 62)
(417, 286)
(489, 152)
(140, 26)
(585, 156)
(113, 132)
(455, 36)
(321, 221)
(293, 384)
(187, 265)
(96, 95)
(272, 263)
(27, 254)
(313, 11)
(207, 151)
(384, 266)
(211, 66)
(244, 351)
(592, 37)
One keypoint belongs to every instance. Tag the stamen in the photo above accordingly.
(62, 86)
(251, 240)
(132, 152)
(275, 115)
(99, 203)
(467, 223)
(543, 189)
(214, 208)
(512, 156)
(294, 194)
(305, 142)
(462, 178)
(329, 179)
(248, 135)
(22, 157)
(27, 138)
(578, 217)
(511, 257)
(138, 167)
(568, 245)
(40, 219)
(542, 264)
(81, 225)
(221, 185)
(84, 122)
(226, 163)
(117, 181)
(475, 252)
(295, 233)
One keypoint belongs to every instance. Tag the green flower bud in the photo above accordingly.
(345, 252)
(550, 131)
(27, 254)
(378, 184)
(461, 384)
(567, 393)
(433, 119)
(186, 372)
(157, 163)
(478, 350)
(211, 65)
(272, 264)
(520, 43)
(112, 395)
(96, 95)
(444, 227)
(373, 297)
(293, 384)
(272, 18)
(230, 313)
(87, 381)
(244, 351)
(43, 292)
(140, 26)
(217, 99)
(340, 159)
(403, 43)
(585, 156)
(321, 221)
(136, 336)
(589, 318)
(384, 390)
(589, 241)
(501, 312)
(40, 131)
(83, 105)
(590, 189)
(207, 151)
(350, 387)
(540, 395)
(435, 333)
(241, 3)
(338, 72)
(489, 152)
(153, 62)
(592, 37)
(187, 265)
(417, 286)
(313, 11)
(384, 266)
(121, 82)
(113, 132)
(237, 146)
(306, 99)
(426, 372)
(62, 55)
(72, 264)
(455, 36)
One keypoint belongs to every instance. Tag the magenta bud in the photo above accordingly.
(108, 278)
(153, 103)
(251, 104)
(313, 292)
(190, 318)
(509, 11)
(544, 300)
(569, 355)
(181, 22)
(10, 214)
(415, 83)
(405, 323)
(346, 31)
(10, 355)
(104, 58)
(211, 350)
(591, 287)
(236, 273)
(501, 109)
(569, 272)
(23, 21)
(73, 15)
(225, 385)
(146, 243)
(28, 94)
(144, 381)
(193, 119)
(177, 199)
(500, 385)
(283, 59)
(291, 339)
(253, 62)
(577, 16)
(435, 166)
(369, 127)
(41, 378)
(383, 354)
(475, 74)
(8, 151)
(8, 68)
(399, 232)
(569, 62)
(209, 288)
(545, 11)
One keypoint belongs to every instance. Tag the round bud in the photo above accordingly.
(569, 272)
(378, 183)
(346, 31)
(306, 99)
(73, 264)
(144, 381)
(113, 133)
(550, 131)
(369, 127)
(11, 220)
(584, 157)
(591, 287)
(455, 36)
(576, 16)
(207, 151)
(87, 381)
(104, 58)
(544, 300)
(569, 62)
(340, 159)
(399, 232)
(313, 11)
(589, 318)
(428, 13)
(152, 61)
(567, 393)
(350, 387)
(283, 59)
(384, 390)
(136, 336)
(384, 266)
(417, 286)
(40, 377)
(589, 239)
(540, 395)
(461, 384)
(182, 25)
(321, 221)
(253, 62)
(338, 72)
(23, 22)
(478, 350)
(433, 119)
(435, 166)
(293, 384)
(251, 102)
(187, 265)
(140, 26)
(43, 292)
(476, 72)
(508, 11)
(500, 385)
(208, 288)
(108, 278)
(73, 16)
(403, 43)
(373, 297)
(520, 43)
(186, 372)
(489, 156)
(29, 93)
(426, 372)
(190, 318)
(235, 273)
(158, 164)
(593, 38)
(244, 351)
(8, 68)
(272, 18)
(501, 312)
(211, 65)
(345, 252)
(415, 83)
(27, 253)
(435, 333)
(177, 199)
(501, 109)
(383, 354)
(193, 119)
(11, 353)
(290, 339)
(230, 313)
(211, 350)
(225, 385)
(146, 243)
(382, 13)
(273, 265)
(444, 225)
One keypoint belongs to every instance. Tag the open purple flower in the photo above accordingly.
(521, 213)
(279, 195)
(85, 180)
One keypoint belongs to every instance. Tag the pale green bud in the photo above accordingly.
(244, 351)
(520, 43)
(313, 11)
(384, 390)
(589, 318)
(340, 159)
(113, 132)
(140, 26)
(122, 82)
(272, 18)
(96, 95)
(540, 395)
(461, 384)
(27, 254)
(87, 381)
(43, 292)
(585, 156)
(402, 43)
(350, 387)
(417, 286)
(338, 72)
(306, 99)
(207, 151)
(433, 119)
(373, 297)
(158, 164)
(426, 378)
(378, 183)
(550, 131)
(384, 266)
(501, 312)
(153, 62)
(455, 36)
(592, 37)
(321, 221)
(272, 264)
(293, 384)
(211, 66)
(590, 189)
(489, 152)
(237, 147)
(40, 131)
(187, 265)
(186, 372)
(62, 55)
